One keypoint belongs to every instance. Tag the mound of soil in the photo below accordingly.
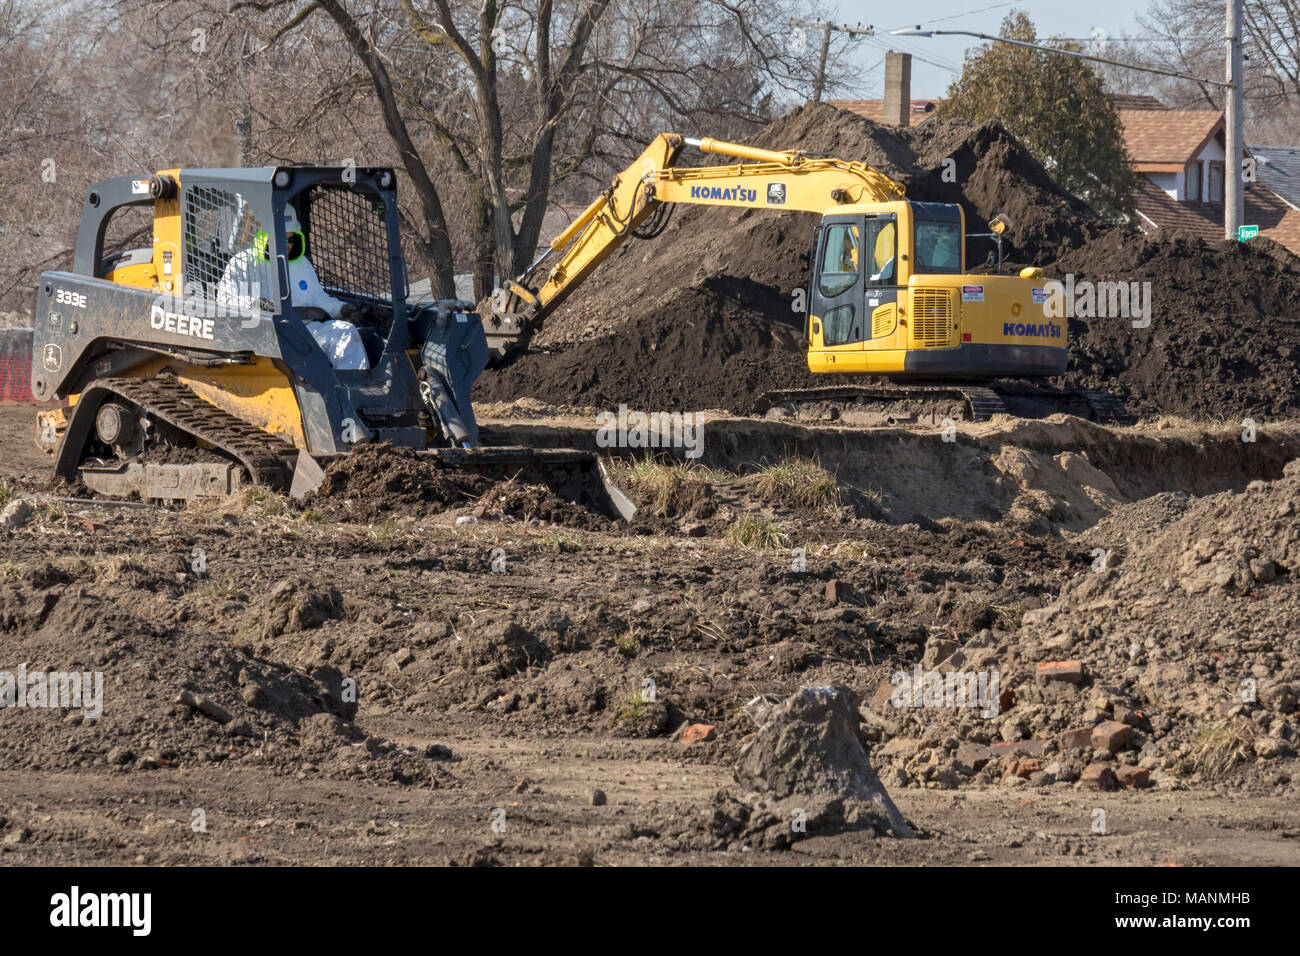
(523, 501)
(167, 694)
(1224, 338)
(377, 480)
(990, 173)
(1190, 663)
(720, 344)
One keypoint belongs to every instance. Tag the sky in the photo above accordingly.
(1117, 18)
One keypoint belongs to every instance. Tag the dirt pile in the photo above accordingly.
(160, 693)
(383, 482)
(1172, 668)
(377, 480)
(990, 173)
(1224, 335)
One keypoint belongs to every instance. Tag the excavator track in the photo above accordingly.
(980, 403)
(976, 402)
(266, 460)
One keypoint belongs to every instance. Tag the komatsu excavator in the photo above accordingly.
(888, 294)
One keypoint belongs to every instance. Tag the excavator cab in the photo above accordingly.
(904, 305)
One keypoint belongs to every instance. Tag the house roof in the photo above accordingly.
(1168, 137)
(1264, 208)
(874, 110)
(1278, 168)
(1132, 101)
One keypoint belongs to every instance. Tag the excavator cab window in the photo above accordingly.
(840, 260)
(938, 247)
(882, 235)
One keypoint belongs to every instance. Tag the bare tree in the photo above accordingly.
(493, 111)
(1186, 36)
(514, 97)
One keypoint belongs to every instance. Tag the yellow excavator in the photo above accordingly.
(888, 293)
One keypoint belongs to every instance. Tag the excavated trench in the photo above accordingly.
(1056, 474)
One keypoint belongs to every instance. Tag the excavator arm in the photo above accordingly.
(637, 200)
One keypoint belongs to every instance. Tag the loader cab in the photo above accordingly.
(245, 249)
(864, 261)
(220, 248)
(348, 232)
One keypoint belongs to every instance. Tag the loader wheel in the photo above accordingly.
(116, 425)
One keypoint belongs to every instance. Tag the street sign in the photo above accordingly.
(1247, 232)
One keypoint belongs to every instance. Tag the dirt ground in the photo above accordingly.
(501, 665)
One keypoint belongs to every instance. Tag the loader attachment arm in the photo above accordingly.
(638, 198)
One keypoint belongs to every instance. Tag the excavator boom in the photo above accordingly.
(786, 181)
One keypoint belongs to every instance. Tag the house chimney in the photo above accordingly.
(898, 89)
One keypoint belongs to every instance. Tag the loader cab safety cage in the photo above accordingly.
(206, 217)
(211, 225)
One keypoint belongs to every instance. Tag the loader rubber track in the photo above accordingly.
(268, 460)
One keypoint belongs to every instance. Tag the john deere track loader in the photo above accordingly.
(206, 360)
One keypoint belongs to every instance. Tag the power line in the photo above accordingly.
(958, 16)
(910, 50)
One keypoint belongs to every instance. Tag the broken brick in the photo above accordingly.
(1005, 748)
(972, 758)
(1098, 776)
(1111, 735)
(884, 691)
(836, 591)
(1069, 671)
(1022, 767)
(698, 733)
(1006, 700)
(1133, 778)
(1078, 739)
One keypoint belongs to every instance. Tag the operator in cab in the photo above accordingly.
(338, 338)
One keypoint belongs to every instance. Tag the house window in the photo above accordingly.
(1216, 182)
(1192, 192)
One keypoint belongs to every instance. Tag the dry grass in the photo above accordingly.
(797, 483)
(1223, 745)
(753, 531)
(671, 487)
(628, 643)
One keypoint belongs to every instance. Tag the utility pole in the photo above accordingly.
(1233, 195)
(826, 28)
